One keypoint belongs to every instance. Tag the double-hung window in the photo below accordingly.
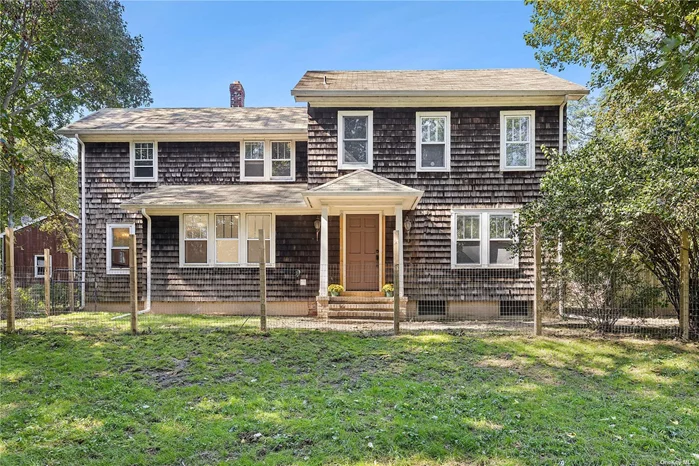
(40, 265)
(433, 141)
(225, 239)
(196, 238)
(268, 161)
(118, 247)
(144, 161)
(483, 239)
(517, 150)
(355, 139)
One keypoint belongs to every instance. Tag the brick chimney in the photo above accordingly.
(237, 94)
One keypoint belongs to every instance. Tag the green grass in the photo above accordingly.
(202, 397)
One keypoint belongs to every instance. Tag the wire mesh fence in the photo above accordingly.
(434, 297)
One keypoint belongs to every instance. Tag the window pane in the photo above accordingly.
(254, 251)
(517, 129)
(254, 169)
(195, 252)
(355, 152)
(120, 258)
(499, 254)
(226, 226)
(468, 252)
(433, 129)
(281, 168)
(517, 155)
(281, 151)
(255, 150)
(227, 251)
(433, 156)
(468, 227)
(120, 237)
(500, 226)
(196, 226)
(143, 172)
(355, 127)
(257, 222)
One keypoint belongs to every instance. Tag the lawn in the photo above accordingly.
(306, 397)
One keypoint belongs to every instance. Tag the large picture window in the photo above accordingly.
(355, 139)
(118, 247)
(144, 161)
(517, 151)
(268, 161)
(483, 238)
(215, 239)
(433, 141)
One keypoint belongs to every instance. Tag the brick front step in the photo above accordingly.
(360, 299)
(360, 306)
(363, 314)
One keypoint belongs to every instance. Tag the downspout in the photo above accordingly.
(148, 268)
(559, 256)
(83, 226)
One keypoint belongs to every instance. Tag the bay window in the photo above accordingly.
(517, 150)
(483, 239)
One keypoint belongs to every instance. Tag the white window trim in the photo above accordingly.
(485, 239)
(36, 265)
(110, 226)
(267, 161)
(447, 141)
(242, 240)
(132, 157)
(531, 162)
(341, 165)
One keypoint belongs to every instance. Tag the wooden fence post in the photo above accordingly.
(538, 304)
(47, 282)
(263, 281)
(684, 285)
(10, 269)
(71, 287)
(396, 283)
(133, 283)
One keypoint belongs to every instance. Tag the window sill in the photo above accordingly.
(433, 170)
(354, 166)
(267, 180)
(517, 169)
(484, 267)
(225, 266)
(118, 272)
(143, 180)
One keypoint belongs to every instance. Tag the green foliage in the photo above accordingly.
(335, 288)
(387, 288)
(317, 398)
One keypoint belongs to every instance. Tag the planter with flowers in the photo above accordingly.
(335, 289)
(388, 290)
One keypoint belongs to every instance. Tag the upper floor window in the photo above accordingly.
(483, 239)
(144, 161)
(118, 247)
(268, 161)
(433, 141)
(355, 139)
(517, 151)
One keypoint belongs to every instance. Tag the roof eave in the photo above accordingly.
(300, 94)
(71, 132)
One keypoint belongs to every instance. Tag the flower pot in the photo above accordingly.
(389, 294)
(334, 293)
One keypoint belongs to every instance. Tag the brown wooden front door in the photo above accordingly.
(362, 242)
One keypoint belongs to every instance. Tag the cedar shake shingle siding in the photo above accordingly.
(474, 181)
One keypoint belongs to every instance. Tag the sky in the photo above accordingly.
(194, 50)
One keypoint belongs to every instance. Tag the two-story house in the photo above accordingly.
(445, 158)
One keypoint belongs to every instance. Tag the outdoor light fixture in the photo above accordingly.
(407, 225)
(316, 225)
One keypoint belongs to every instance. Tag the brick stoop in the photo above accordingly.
(359, 307)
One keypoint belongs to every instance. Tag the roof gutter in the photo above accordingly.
(70, 132)
(435, 93)
(83, 226)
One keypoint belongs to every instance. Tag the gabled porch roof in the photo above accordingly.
(363, 187)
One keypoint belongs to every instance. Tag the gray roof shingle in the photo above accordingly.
(513, 81)
(191, 120)
(238, 195)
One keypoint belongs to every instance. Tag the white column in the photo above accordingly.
(323, 291)
(399, 252)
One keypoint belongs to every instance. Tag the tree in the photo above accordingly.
(624, 194)
(59, 58)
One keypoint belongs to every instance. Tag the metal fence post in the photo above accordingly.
(263, 281)
(47, 282)
(133, 283)
(684, 285)
(71, 287)
(10, 269)
(538, 304)
(396, 283)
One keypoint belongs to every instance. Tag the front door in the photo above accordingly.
(362, 243)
